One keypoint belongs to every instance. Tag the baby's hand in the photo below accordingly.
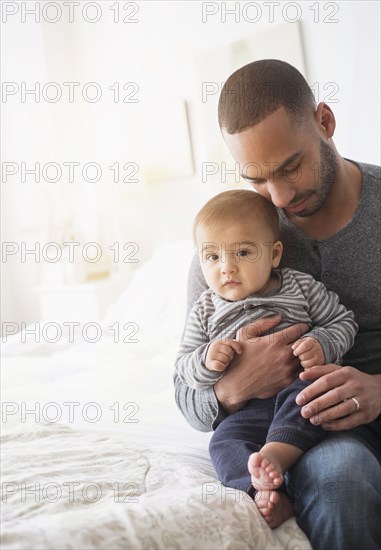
(309, 351)
(220, 353)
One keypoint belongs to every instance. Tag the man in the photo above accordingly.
(330, 227)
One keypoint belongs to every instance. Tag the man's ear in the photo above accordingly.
(277, 253)
(325, 120)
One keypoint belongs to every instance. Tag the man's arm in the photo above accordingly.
(196, 284)
(199, 407)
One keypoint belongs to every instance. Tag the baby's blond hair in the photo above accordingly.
(237, 205)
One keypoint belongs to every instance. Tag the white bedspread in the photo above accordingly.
(89, 490)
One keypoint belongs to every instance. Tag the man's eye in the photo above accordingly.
(291, 169)
(255, 182)
(252, 181)
(243, 252)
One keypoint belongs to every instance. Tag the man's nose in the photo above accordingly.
(281, 193)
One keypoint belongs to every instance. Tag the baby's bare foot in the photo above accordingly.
(274, 507)
(266, 472)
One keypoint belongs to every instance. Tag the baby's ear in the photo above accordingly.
(277, 253)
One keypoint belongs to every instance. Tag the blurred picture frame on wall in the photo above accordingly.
(163, 143)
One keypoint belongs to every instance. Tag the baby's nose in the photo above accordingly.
(229, 265)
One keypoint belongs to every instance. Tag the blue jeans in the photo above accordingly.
(336, 489)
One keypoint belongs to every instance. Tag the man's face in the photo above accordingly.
(293, 167)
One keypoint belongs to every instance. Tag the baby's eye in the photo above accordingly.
(212, 257)
(243, 252)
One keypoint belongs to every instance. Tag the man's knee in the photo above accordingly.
(335, 470)
(336, 492)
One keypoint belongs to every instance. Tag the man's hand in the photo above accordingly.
(328, 401)
(265, 367)
(220, 353)
(309, 351)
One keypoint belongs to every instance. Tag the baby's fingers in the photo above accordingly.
(311, 356)
(308, 363)
(217, 365)
(303, 346)
(235, 345)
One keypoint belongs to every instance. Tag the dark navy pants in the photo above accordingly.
(259, 422)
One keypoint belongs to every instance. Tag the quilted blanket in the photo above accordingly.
(70, 489)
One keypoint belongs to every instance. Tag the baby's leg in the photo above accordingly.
(267, 468)
(290, 435)
(238, 436)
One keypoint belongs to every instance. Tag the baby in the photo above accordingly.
(236, 235)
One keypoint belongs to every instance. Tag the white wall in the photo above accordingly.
(158, 53)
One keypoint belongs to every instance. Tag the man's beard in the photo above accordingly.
(324, 175)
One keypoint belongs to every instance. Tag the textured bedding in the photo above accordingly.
(88, 490)
(124, 470)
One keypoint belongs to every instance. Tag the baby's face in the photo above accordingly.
(237, 260)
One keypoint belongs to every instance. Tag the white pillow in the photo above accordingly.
(156, 295)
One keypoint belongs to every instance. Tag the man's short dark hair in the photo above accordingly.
(256, 90)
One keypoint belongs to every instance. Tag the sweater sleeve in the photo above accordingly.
(200, 407)
(333, 325)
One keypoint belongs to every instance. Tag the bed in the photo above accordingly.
(106, 460)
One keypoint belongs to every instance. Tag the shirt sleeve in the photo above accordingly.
(190, 361)
(200, 408)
